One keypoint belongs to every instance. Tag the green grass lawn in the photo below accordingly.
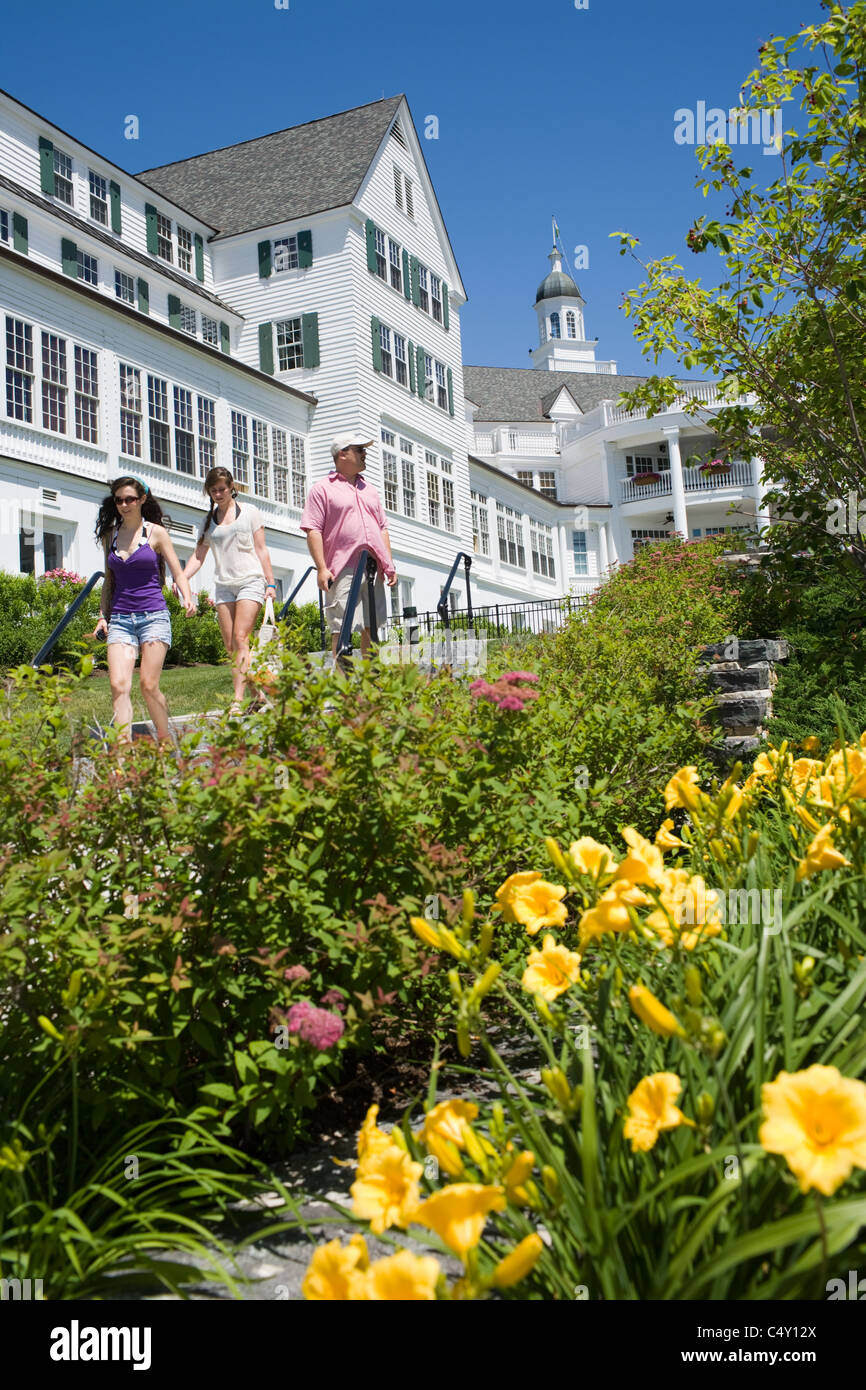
(188, 690)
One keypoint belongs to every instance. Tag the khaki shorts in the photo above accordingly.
(338, 594)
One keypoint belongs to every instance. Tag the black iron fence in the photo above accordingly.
(491, 620)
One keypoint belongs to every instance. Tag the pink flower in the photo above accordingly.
(510, 702)
(519, 676)
(318, 1027)
(334, 998)
(296, 972)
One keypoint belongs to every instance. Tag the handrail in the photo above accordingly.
(47, 647)
(442, 605)
(367, 562)
(288, 603)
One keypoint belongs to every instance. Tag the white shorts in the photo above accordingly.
(337, 598)
(252, 586)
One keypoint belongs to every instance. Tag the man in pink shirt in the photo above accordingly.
(343, 516)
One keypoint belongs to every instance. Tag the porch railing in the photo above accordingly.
(495, 619)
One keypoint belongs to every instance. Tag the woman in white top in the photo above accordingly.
(235, 533)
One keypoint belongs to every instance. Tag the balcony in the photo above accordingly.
(517, 443)
(706, 393)
(739, 476)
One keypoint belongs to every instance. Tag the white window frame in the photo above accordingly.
(480, 524)
(541, 547)
(395, 265)
(97, 198)
(158, 419)
(261, 484)
(284, 254)
(188, 320)
(54, 396)
(131, 412)
(185, 250)
(63, 177)
(292, 345)
(164, 239)
(86, 406)
(207, 435)
(184, 430)
(509, 530)
(240, 450)
(124, 291)
(580, 553)
(381, 255)
(88, 265)
(210, 330)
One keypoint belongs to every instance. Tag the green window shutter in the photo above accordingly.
(407, 275)
(143, 297)
(310, 339)
(419, 362)
(411, 350)
(225, 337)
(450, 380)
(264, 259)
(446, 317)
(69, 255)
(305, 249)
(116, 223)
(416, 287)
(377, 344)
(46, 166)
(150, 219)
(199, 257)
(174, 311)
(19, 232)
(371, 245)
(266, 348)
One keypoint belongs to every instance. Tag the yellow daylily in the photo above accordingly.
(386, 1190)
(336, 1272)
(651, 1109)
(370, 1136)
(821, 855)
(591, 858)
(528, 899)
(644, 862)
(666, 839)
(458, 1213)
(516, 1176)
(443, 1133)
(817, 1120)
(551, 971)
(402, 1278)
(682, 789)
(610, 913)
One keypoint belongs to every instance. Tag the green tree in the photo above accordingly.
(784, 327)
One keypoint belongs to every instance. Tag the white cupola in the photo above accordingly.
(559, 305)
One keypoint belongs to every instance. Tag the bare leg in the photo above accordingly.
(365, 643)
(153, 656)
(121, 664)
(246, 612)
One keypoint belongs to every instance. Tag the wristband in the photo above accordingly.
(271, 586)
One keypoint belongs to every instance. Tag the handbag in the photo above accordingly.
(267, 664)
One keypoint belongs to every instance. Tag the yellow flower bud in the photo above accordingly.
(706, 1107)
(557, 858)
(475, 1147)
(454, 982)
(517, 1174)
(485, 939)
(693, 984)
(468, 906)
(70, 994)
(718, 1038)
(551, 1182)
(48, 1027)
(653, 1013)
(517, 1265)
(555, 1080)
(487, 981)
(464, 1045)
(426, 931)
(752, 844)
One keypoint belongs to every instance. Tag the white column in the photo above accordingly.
(678, 492)
(762, 510)
(603, 560)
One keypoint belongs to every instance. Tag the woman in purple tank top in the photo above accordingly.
(134, 613)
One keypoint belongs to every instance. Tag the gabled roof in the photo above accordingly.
(527, 393)
(549, 401)
(290, 174)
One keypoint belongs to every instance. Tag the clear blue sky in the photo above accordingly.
(543, 108)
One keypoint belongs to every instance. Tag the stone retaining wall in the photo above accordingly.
(741, 675)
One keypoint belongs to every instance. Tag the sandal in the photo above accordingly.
(235, 709)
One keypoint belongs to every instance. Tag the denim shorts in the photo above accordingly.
(131, 629)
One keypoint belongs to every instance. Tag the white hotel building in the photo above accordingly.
(242, 306)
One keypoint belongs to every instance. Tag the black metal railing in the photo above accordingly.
(442, 606)
(496, 619)
(366, 563)
(48, 646)
(290, 600)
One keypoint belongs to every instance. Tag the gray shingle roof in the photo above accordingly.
(281, 177)
(527, 393)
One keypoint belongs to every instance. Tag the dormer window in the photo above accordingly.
(63, 191)
(554, 325)
(184, 248)
(165, 247)
(570, 324)
(98, 198)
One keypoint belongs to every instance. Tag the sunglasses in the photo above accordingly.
(126, 501)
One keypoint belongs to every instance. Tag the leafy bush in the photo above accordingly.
(194, 640)
(698, 1128)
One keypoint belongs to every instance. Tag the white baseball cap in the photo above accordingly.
(345, 441)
